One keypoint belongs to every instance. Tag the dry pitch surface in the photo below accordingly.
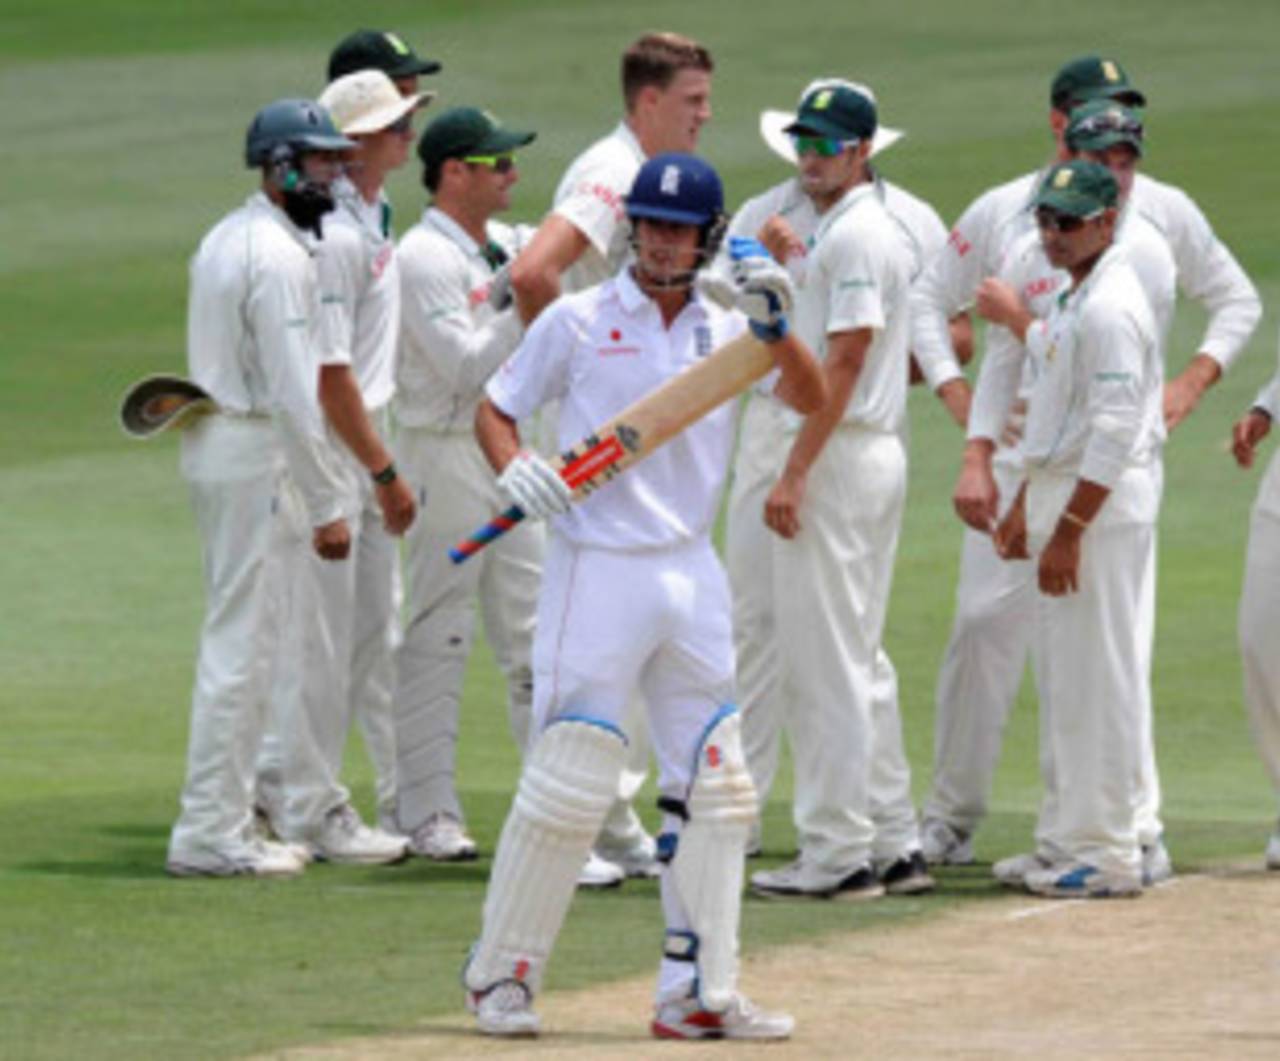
(1192, 969)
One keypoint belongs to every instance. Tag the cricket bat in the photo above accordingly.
(642, 427)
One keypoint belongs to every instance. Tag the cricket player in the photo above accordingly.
(1260, 595)
(633, 600)
(990, 639)
(458, 325)
(351, 609)
(1086, 511)
(255, 339)
(666, 91)
(372, 49)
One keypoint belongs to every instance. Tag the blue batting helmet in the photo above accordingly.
(678, 188)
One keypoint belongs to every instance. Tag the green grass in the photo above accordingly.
(123, 126)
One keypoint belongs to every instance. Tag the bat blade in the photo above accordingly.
(643, 426)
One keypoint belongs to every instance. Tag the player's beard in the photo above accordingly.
(307, 204)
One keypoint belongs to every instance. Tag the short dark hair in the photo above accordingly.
(656, 58)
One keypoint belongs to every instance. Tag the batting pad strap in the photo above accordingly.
(680, 946)
(707, 869)
(569, 781)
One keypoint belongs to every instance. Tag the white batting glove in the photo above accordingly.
(536, 487)
(716, 284)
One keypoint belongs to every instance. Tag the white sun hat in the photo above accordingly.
(367, 101)
(774, 122)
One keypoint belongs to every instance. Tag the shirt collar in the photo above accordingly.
(438, 219)
(259, 200)
(624, 133)
(633, 301)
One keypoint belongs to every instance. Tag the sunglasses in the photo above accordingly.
(498, 163)
(1107, 123)
(402, 125)
(822, 146)
(1051, 219)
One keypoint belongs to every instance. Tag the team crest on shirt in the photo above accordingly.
(701, 341)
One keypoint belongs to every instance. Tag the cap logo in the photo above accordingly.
(822, 100)
(1062, 179)
(670, 183)
(396, 43)
(488, 116)
(1110, 71)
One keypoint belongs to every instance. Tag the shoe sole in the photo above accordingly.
(918, 885)
(461, 856)
(361, 860)
(600, 886)
(667, 1031)
(849, 896)
(182, 871)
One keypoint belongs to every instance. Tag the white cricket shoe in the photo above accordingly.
(596, 872)
(799, 880)
(1012, 872)
(442, 838)
(1273, 850)
(250, 858)
(1157, 866)
(944, 845)
(345, 838)
(1076, 880)
(504, 1008)
(639, 860)
(261, 829)
(685, 1018)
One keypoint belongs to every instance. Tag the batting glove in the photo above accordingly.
(765, 291)
(536, 487)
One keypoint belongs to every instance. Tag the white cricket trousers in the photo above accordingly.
(981, 672)
(231, 465)
(1260, 623)
(456, 494)
(1093, 669)
(751, 551)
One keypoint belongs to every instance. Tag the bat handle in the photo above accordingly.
(495, 528)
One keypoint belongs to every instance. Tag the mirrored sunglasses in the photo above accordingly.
(498, 163)
(822, 146)
(1107, 123)
(1057, 222)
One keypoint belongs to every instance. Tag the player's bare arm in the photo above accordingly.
(1060, 559)
(1010, 537)
(535, 274)
(976, 497)
(846, 352)
(344, 407)
(999, 303)
(1183, 393)
(1249, 430)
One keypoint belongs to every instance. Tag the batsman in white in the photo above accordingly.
(1086, 510)
(255, 340)
(1260, 596)
(1112, 135)
(990, 639)
(786, 217)
(336, 662)
(458, 325)
(633, 599)
(666, 90)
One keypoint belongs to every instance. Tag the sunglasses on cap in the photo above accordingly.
(1107, 122)
(1052, 219)
(822, 146)
(498, 163)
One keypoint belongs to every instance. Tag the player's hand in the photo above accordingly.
(782, 506)
(332, 541)
(763, 290)
(398, 505)
(997, 302)
(780, 240)
(1010, 535)
(531, 483)
(1249, 430)
(1060, 562)
(501, 294)
(976, 497)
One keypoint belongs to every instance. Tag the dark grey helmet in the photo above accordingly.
(298, 124)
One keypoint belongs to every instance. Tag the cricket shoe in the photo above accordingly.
(250, 858)
(260, 828)
(797, 880)
(944, 845)
(1012, 871)
(685, 1018)
(505, 1008)
(345, 838)
(1157, 866)
(908, 875)
(442, 838)
(638, 860)
(1076, 880)
(1273, 850)
(596, 872)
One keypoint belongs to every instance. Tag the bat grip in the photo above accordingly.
(495, 528)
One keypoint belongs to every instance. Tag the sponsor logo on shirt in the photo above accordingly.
(609, 196)
(1042, 286)
(957, 240)
(856, 282)
(478, 295)
(382, 259)
(616, 347)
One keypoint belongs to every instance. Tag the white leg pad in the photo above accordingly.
(569, 780)
(710, 856)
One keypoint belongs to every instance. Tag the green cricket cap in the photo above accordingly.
(1092, 77)
(1077, 189)
(462, 131)
(835, 110)
(1103, 123)
(377, 50)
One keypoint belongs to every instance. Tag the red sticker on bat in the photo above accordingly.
(598, 458)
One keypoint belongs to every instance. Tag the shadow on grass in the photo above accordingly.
(133, 865)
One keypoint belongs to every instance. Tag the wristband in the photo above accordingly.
(387, 476)
(769, 333)
(1071, 517)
